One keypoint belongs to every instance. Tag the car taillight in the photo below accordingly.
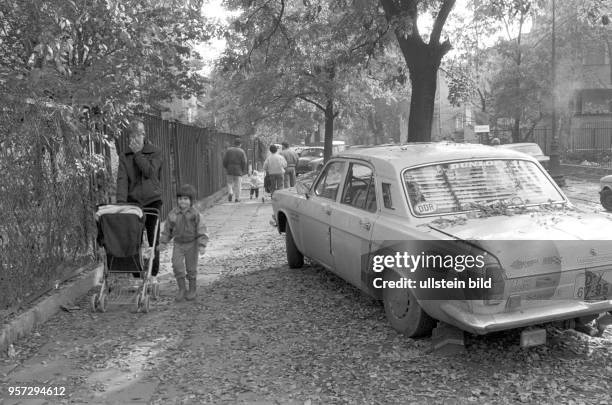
(495, 294)
(490, 295)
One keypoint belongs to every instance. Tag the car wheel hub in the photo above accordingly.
(399, 303)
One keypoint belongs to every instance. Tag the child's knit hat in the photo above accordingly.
(187, 190)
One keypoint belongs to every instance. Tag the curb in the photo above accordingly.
(211, 200)
(41, 312)
(90, 274)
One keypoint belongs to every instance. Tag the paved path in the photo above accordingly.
(115, 357)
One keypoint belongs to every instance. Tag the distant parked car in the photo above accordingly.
(308, 154)
(530, 148)
(605, 192)
(316, 165)
(298, 149)
(311, 159)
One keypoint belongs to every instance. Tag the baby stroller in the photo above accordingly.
(121, 232)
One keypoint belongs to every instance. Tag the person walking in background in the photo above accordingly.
(274, 166)
(235, 165)
(139, 180)
(292, 159)
(185, 224)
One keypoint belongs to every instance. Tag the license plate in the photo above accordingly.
(594, 286)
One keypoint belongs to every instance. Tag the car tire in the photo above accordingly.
(606, 199)
(295, 258)
(403, 311)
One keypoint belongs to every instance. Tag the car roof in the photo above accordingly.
(390, 159)
(509, 145)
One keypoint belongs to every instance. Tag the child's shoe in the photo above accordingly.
(191, 294)
(180, 295)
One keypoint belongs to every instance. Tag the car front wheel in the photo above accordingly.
(403, 311)
(606, 199)
(295, 258)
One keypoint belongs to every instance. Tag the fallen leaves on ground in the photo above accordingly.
(269, 334)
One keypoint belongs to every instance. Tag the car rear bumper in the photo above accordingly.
(557, 310)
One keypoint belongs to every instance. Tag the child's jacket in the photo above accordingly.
(185, 227)
(256, 180)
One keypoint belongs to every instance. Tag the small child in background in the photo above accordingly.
(185, 225)
(254, 182)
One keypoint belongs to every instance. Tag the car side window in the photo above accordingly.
(386, 195)
(359, 190)
(329, 182)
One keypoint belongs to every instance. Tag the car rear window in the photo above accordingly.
(529, 149)
(448, 188)
(312, 152)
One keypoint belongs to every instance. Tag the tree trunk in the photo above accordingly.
(516, 130)
(422, 59)
(424, 82)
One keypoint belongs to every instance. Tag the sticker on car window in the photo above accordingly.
(425, 208)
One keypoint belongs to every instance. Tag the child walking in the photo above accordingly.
(254, 183)
(186, 226)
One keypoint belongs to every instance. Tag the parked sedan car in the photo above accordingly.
(370, 207)
(605, 192)
(316, 165)
(529, 148)
(308, 154)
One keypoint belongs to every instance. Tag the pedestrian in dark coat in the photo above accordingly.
(139, 179)
(235, 164)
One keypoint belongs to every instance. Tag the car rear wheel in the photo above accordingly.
(403, 311)
(295, 258)
(606, 199)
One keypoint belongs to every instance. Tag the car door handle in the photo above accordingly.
(365, 224)
(326, 209)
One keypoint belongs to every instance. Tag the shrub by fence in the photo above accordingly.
(53, 173)
(46, 199)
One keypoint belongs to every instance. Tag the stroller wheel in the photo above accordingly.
(138, 304)
(145, 304)
(94, 302)
(102, 303)
(155, 292)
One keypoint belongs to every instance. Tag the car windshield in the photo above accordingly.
(448, 188)
(312, 152)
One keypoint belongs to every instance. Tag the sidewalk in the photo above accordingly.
(60, 349)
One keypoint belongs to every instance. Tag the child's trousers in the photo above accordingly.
(185, 259)
(254, 191)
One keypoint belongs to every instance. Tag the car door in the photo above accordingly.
(318, 209)
(353, 221)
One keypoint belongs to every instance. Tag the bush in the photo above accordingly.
(46, 198)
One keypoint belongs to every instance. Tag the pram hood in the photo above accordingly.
(119, 209)
(120, 229)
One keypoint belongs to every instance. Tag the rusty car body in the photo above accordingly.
(548, 261)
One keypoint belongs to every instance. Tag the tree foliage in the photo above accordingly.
(313, 56)
(514, 74)
(106, 54)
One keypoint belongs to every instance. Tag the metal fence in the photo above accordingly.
(54, 174)
(589, 141)
(191, 155)
(592, 142)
